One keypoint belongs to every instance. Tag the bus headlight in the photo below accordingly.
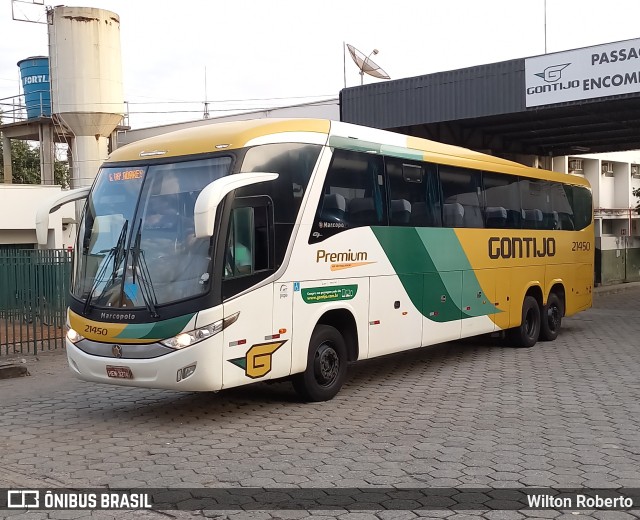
(186, 339)
(73, 336)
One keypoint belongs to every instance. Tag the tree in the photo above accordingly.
(636, 193)
(26, 165)
(26, 162)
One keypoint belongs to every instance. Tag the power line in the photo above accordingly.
(249, 109)
(229, 100)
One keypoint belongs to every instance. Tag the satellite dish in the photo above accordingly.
(366, 65)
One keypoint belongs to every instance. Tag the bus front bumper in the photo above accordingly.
(197, 368)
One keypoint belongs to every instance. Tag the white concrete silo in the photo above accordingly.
(86, 82)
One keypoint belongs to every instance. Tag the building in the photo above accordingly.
(613, 177)
(17, 214)
(540, 111)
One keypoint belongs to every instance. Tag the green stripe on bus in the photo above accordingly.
(439, 257)
(158, 330)
(358, 145)
(453, 258)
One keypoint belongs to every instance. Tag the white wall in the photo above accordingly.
(622, 185)
(591, 170)
(608, 243)
(608, 192)
(18, 206)
(615, 192)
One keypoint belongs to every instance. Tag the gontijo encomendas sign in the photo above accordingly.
(602, 70)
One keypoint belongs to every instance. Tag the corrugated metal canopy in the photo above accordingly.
(483, 108)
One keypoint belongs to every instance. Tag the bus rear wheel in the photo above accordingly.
(326, 366)
(551, 318)
(527, 334)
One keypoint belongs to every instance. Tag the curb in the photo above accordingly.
(12, 370)
(612, 289)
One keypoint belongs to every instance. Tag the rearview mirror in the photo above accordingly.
(204, 211)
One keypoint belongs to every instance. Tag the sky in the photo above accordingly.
(261, 54)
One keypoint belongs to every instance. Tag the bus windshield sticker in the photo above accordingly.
(329, 294)
(127, 175)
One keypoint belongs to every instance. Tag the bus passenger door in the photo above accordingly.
(395, 323)
(247, 355)
(251, 352)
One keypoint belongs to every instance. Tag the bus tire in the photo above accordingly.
(326, 366)
(527, 334)
(551, 318)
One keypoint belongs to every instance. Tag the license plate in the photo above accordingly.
(119, 372)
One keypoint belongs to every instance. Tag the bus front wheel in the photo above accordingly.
(551, 318)
(326, 366)
(526, 335)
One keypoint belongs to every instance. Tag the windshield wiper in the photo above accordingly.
(116, 254)
(140, 268)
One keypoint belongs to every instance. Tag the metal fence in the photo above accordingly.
(34, 288)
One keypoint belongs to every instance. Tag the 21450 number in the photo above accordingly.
(96, 330)
(581, 246)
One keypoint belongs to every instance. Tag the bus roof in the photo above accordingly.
(211, 138)
(238, 134)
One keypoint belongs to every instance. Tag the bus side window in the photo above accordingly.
(502, 209)
(414, 194)
(353, 195)
(561, 206)
(247, 250)
(248, 256)
(294, 163)
(582, 204)
(536, 204)
(461, 191)
(239, 254)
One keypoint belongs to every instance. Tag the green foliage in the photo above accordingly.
(636, 193)
(26, 165)
(26, 162)
(61, 173)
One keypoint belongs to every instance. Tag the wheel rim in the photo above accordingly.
(326, 365)
(553, 317)
(530, 323)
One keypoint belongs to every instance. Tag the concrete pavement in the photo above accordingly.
(471, 413)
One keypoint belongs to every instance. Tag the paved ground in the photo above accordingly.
(564, 414)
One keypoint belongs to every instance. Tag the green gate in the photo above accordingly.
(34, 288)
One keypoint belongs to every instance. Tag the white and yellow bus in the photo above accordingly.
(232, 253)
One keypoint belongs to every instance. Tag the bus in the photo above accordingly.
(232, 253)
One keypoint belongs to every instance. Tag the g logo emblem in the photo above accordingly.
(117, 351)
(257, 361)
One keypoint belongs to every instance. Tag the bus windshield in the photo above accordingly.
(136, 243)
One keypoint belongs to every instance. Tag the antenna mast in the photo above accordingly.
(344, 62)
(206, 103)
